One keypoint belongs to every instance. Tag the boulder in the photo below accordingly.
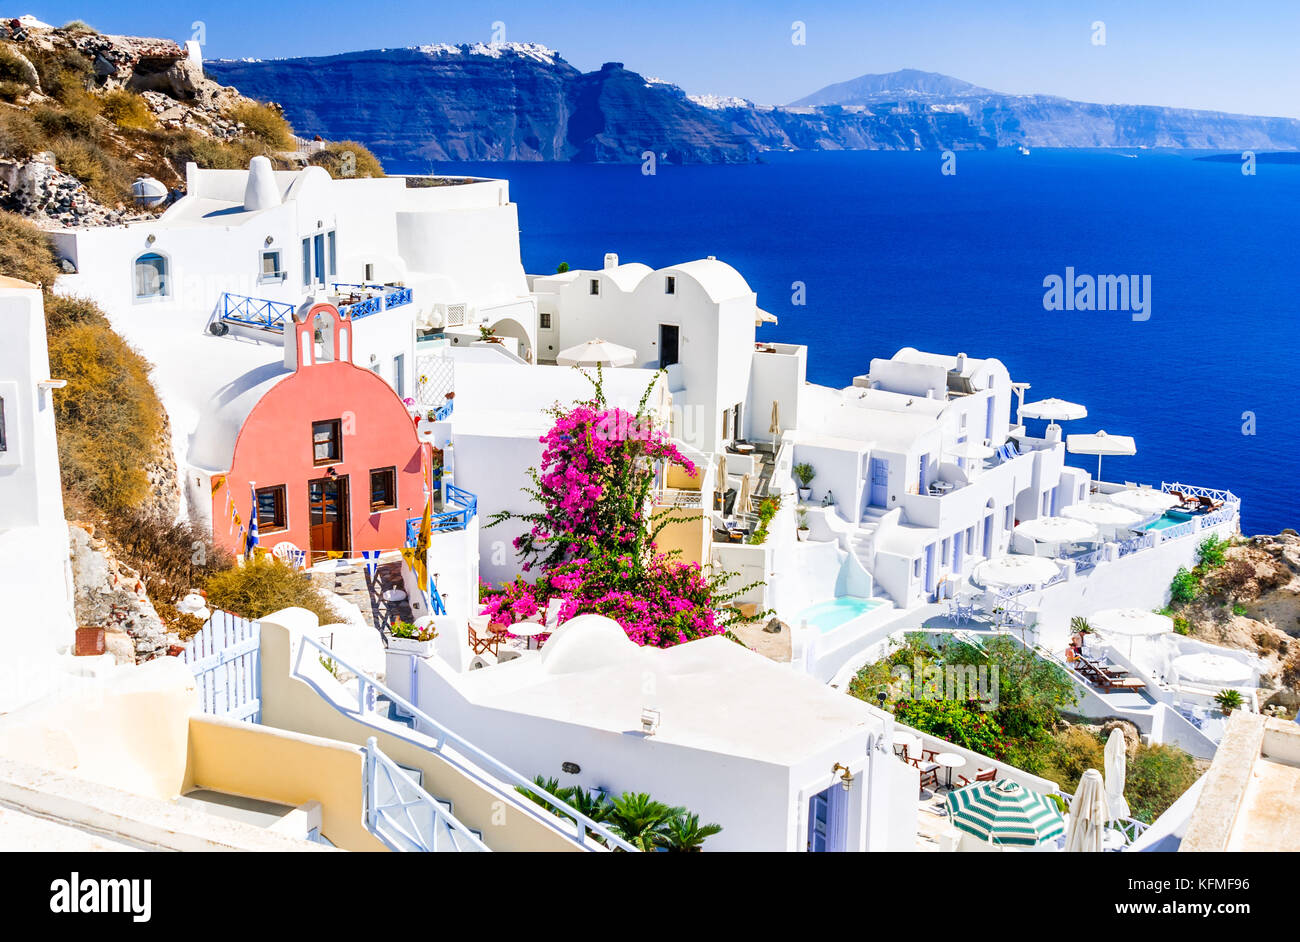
(111, 594)
(1132, 735)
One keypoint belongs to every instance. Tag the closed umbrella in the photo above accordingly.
(775, 426)
(1006, 813)
(1015, 570)
(722, 477)
(1089, 814)
(597, 353)
(1100, 444)
(1116, 770)
(742, 499)
(1144, 501)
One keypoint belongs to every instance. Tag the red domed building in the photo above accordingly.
(328, 447)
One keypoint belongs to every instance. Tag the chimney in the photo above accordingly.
(961, 363)
(261, 191)
(611, 260)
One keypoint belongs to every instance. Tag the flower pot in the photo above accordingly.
(805, 493)
(803, 534)
(410, 646)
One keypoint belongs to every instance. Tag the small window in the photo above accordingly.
(943, 553)
(399, 375)
(150, 276)
(271, 268)
(595, 286)
(916, 568)
(670, 285)
(383, 489)
(333, 253)
(369, 273)
(270, 508)
(544, 320)
(327, 442)
(306, 261)
(4, 439)
(1010, 516)
(319, 249)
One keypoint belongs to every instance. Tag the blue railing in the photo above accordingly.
(436, 605)
(448, 519)
(564, 817)
(406, 817)
(442, 413)
(256, 312)
(266, 314)
(388, 298)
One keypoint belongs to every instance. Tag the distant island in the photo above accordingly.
(523, 101)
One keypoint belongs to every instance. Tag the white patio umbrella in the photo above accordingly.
(1211, 669)
(1058, 530)
(1130, 623)
(1144, 501)
(597, 353)
(1088, 815)
(1116, 770)
(1015, 569)
(721, 484)
(975, 451)
(1106, 516)
(1054, 410)
(742, 499)
(1100, 444)
(775, 426)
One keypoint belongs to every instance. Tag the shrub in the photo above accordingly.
(1209, 554)
(1235, 575)
(954, 720)
(264, 585)
(128, 110)
(25, 251)
(13, 69)
(1181, 625)
(63, 72)
(108, 416)
(1228, 700)
(1157, 776)
(264, 122)
(108, 178)
(78, 26)
(1074, 750)
(172, 557)
(561, 268)
(20, 136)
(1291, 669)
(181, 147)
(362, 163)
(1185, 587)
(62, 311)
(12, 91)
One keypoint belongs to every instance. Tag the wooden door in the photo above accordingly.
(327, 500)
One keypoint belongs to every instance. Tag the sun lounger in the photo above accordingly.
(981, 775)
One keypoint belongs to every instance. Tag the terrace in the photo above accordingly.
(265, 315)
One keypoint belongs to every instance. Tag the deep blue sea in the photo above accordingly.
(894, 253)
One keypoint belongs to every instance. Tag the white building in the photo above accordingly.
(781, 761)
(36, 611)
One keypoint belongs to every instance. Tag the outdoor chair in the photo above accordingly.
(981, 775)
(482, 639)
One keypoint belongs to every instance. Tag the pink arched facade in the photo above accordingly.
(312, 447)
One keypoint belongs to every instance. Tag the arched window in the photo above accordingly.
(151, 276)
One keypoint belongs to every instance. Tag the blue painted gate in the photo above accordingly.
(225, 657)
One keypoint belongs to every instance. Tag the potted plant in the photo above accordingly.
(802, 532)
(407, 638)
(486, 335)
(1228, 700)
(804, 474)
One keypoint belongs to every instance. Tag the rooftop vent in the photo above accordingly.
(611, 260)
(261, 191)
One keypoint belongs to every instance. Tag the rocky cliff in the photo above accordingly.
(509, 101)
(525, 102)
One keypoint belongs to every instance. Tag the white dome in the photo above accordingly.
(586, 642)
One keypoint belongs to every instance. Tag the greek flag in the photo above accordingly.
(252, 524)
(372, 562)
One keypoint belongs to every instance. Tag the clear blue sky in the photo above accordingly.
(1241, 56)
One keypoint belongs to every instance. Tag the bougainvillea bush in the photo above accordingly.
(591, 543)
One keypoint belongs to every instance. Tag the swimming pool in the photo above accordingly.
(829, 615)
(1170, 518)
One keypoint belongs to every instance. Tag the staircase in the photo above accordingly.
(407, 818)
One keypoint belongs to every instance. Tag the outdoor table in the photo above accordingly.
(943, 487)
(950, 761)
(528, 630)
(394, 595)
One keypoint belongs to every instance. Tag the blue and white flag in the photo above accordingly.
(372, 562)
(252, 524)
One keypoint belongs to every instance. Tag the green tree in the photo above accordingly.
(640, 820)
(685, 834)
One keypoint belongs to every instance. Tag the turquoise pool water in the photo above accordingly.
(828, 615)
(1170, 518)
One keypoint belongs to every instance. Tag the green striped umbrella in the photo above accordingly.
(1006, 813)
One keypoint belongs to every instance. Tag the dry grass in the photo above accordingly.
(173, 557)
(262, 586)
(264, 122)
(25, 251)
(127, 111)
(335, 158)
(20, 135)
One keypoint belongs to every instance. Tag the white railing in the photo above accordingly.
(406, 817)
(1191, 490)
(677, 497)
(1086, 561)
(1223, 515)
(1137, 543)
(1179, 530)
(367, 692)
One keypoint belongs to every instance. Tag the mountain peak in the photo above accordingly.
(903, 85)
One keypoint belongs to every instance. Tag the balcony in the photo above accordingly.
(357, 300)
